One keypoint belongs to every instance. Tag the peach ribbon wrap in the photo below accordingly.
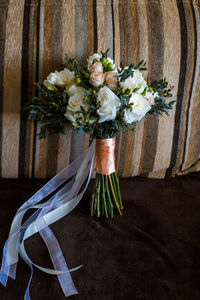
(105, 156)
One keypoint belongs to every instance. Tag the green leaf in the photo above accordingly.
(172, 102)
(105, 54)
(33, 112)
(144, 92)
(122, 100)
(80, 130)
(36, 98)
(83, 110)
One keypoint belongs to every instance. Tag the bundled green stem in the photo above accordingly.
(106, 196)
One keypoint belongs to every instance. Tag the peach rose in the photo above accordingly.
(96, 67)
(111, 81)
(96, 79)
(150, 98)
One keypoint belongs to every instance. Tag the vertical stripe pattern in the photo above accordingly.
(34, 37)
(3, 20)
(155, 69)
(24, 86)
(12, 89)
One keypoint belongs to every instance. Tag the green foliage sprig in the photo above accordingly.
(164, 90)
(130, 70)
(73, 64)
(48, 110)
(105, 54)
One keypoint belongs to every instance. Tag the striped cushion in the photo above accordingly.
(35, 35)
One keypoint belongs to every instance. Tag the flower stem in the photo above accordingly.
(98, 195)
(115, 188)
(118, 190)
(114, 196)
(104, 197)
(109, 198)
(106, 190)
(95, 194)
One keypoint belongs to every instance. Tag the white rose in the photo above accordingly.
(62, 78)
(74, 89)
(109, 104)
(139, 107)
(75, 101)
(134, 82)
(91, 58)
(74, 104)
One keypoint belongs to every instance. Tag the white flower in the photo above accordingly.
(62, 78)
(74, 89)
(91, 58)
(74, 104)
(139, 107)
(137, 81)
(109, 104)
(75, 101)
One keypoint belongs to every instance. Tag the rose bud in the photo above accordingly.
(150, 98)
(111, 81)
(96, 67)
(96, 79)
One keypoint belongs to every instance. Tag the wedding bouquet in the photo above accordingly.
(100, 99)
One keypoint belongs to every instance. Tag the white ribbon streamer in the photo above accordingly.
(58, 206)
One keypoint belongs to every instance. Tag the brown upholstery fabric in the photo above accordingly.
(150, 253)
(35, 35)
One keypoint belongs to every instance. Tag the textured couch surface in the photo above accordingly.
(35, 35)
(150, 253)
